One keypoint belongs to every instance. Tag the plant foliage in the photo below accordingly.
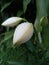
(32, 52)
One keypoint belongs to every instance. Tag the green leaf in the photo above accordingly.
(15, 63)
(19, 13)
(15, 54)
(45, 35)
(25, 4)
(43, 11)
(44, 21)
(5, 6)
(38, 25)
(30, 46)
(8, 36)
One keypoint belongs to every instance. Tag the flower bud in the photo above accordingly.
(23, 33)
(12, 21)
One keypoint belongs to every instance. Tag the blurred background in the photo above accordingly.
(30, 53)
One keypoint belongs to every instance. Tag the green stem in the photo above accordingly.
(41, 6)
(39, 36)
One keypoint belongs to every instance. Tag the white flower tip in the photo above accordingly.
(2, 24)
(23, 33)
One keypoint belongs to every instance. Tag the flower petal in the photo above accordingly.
(12, 21)
(23, 33)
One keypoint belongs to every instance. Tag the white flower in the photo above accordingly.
(12, 21)
(23, 33)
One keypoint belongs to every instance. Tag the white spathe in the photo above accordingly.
(12, 21)
(23, 33)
